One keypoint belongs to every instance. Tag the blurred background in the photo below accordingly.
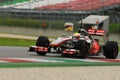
(47, 17)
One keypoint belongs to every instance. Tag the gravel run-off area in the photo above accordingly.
(61, 73)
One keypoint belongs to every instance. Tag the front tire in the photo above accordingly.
(43, 42)
(111, 50)
(82, 46)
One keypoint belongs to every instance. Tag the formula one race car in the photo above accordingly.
(83, 43)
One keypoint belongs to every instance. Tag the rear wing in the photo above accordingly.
(96, 32)
(98, 22)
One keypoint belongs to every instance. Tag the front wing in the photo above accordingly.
(38, 49)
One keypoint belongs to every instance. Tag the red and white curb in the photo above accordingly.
(26, 60)
(93, 59)
(16, 60)
(105, 60)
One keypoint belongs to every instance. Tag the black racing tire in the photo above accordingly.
(49, 49)
(44, 42)
(41, 53)
(111, 50)
(82, 46)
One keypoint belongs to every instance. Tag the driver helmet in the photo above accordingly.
(76, 35)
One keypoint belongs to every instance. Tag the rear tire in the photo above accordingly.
(43, 42)
(111, 50)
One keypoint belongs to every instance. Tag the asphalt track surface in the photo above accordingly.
(22, 52)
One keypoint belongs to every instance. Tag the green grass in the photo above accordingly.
(114, 28)
(48, 64)
(16, 42)
(32, 23)
(12, 2)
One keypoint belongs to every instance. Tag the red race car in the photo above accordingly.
(83, 43)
